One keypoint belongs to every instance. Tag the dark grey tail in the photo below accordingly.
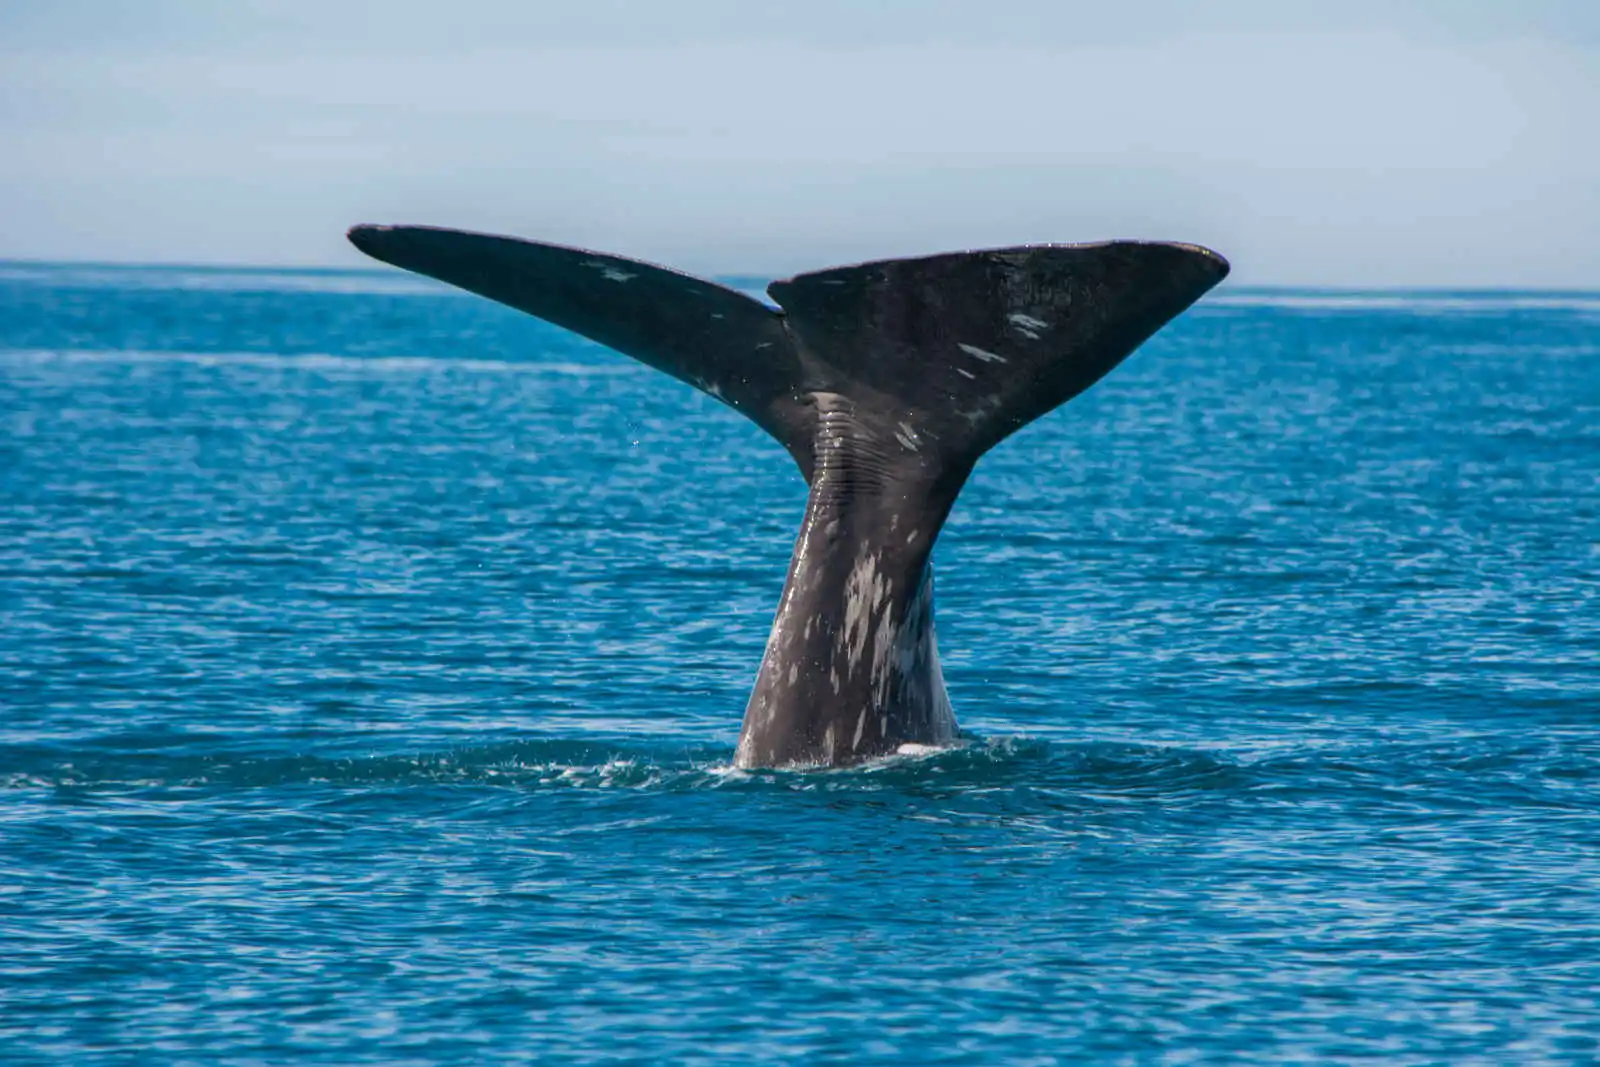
(886, 382)
(970, 346)
(714, 338)
(963, 348)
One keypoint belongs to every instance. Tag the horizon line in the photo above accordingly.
(747, 276)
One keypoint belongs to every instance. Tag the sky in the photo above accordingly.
(1429, 143)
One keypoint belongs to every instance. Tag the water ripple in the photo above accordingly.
(371, 661)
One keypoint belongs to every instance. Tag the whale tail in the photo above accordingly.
(963, 348)
(886, 382)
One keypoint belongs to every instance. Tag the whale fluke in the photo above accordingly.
(712, 337)
(978, 344)
(886, 382)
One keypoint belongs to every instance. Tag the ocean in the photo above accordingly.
(372, 657)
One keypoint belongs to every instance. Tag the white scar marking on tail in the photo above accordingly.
(966, 373)
(1027, 325)
(861, 725)
(979, 353)
(982, 411)
(610, 273)
(883, 657)
(864, 593)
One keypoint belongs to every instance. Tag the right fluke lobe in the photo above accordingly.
(980, 343)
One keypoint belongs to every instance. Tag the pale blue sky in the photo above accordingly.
(1359, 143)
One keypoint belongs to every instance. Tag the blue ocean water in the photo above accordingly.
(371, 659)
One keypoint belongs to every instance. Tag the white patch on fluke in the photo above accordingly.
(985, 408)
(865, 592)
(1027, 325)
(610, 273)
(980, 353)
(965, 373)
(907, 436)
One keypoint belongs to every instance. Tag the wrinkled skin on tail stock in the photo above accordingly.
(886, 382)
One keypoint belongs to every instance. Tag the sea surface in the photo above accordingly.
(372, 657)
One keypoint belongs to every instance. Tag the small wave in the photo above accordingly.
(314, 361)
(1098, 773)
(557, 763)
(516, 764)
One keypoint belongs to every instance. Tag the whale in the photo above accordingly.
(885, 382)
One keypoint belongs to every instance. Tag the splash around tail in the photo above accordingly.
(886, 382)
